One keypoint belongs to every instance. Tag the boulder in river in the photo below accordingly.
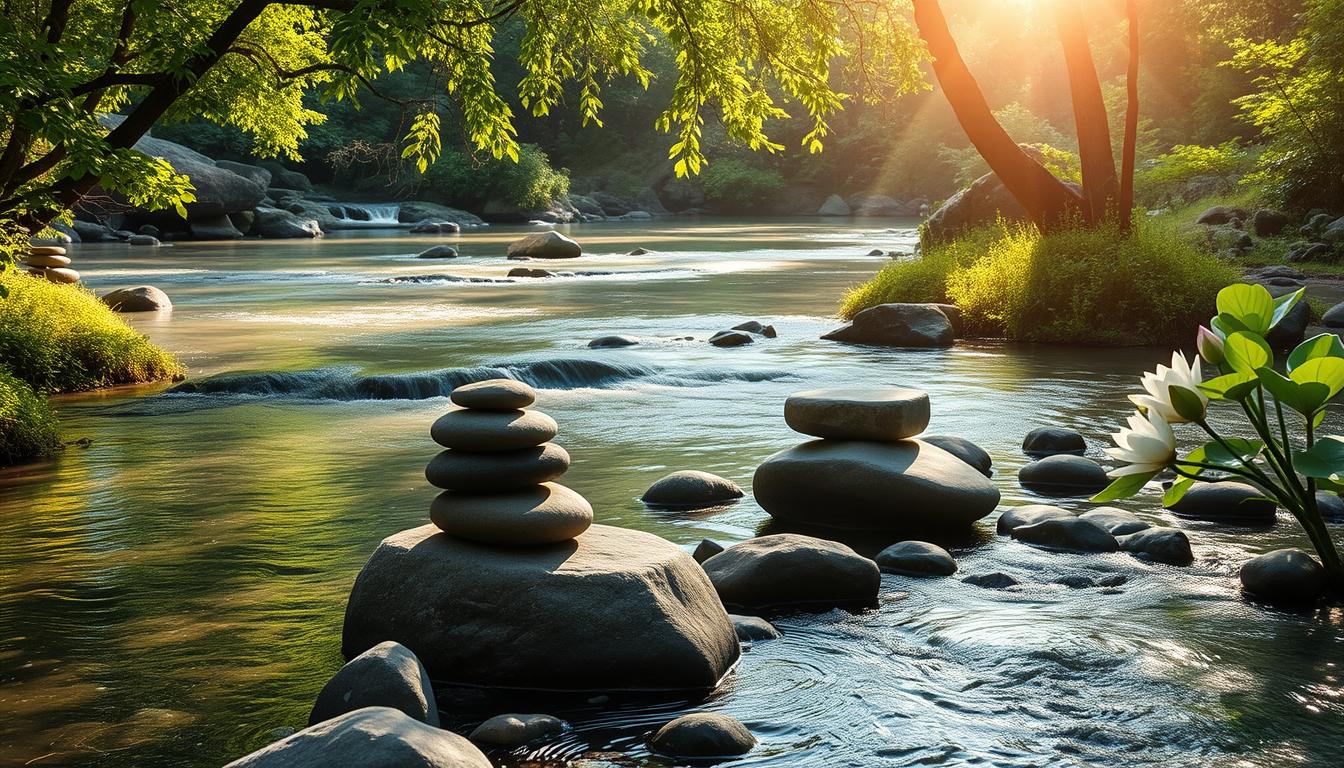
(1284, 577)
(545, 245)
(282, 224)
(756, 327)
(834, 205)
(1226, 502)
(789, 570)
(218, 227)
(730, 339)
(386, 675)
(1117, 521)
(857, 485)
(897, 325)
(883, 414)
(612, 342)
(702, 735)
(1330, 505)
(992, 580)
(965, 450)
(513, 730)
(1072, 534)
(1160, 545)
(438, 252)
(691, 489)
(1048, 441)
(1063, 475)
(753, 629)
(916, 558)
(141, 298)
(611, 609)
(144, 240)
(373, 737)
(1029, 514)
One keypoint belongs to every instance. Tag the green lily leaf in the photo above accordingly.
(1177, 491)
(1324, 345)
(1329, 485)
(1250, 305)
(1213, 452)
(1325, 459)
(1246, 352)
(1232, 386)
(1304, 396)
(1284, 304)
(1124, 486)
(1186, 402)
(1326, 372)
(1226, 325)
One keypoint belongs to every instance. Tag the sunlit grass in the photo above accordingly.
(27, 425)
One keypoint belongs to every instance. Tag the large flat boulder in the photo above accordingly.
(611, 609)
(897, 325)
(373, 737)
(858, 485)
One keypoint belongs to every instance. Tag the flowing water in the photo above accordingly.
(173, 592)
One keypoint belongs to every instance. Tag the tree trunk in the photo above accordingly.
(1100, 185)
(1047, 200)
(1127, 154)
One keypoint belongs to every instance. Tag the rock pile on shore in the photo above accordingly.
(50, 263)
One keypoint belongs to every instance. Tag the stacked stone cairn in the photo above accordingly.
(867, 472)
(50, 263)
(497, 469)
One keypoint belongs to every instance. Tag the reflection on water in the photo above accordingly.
(173, 593)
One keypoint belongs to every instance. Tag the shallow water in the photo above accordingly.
(174, 592)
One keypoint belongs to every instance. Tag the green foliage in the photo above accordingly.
(922, 279)
(60, 338)
(528, 182)
(1025, 127)
(734, 184)
(1189, 168)
(27, 425)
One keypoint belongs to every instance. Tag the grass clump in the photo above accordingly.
(27, 425)
(61, 338)
(1084, 286)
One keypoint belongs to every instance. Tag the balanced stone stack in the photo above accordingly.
(867, 472)
(51, 263)
(497, 469)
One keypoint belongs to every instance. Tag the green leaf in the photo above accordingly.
(1303, 397)
(1186, 402)
(1177, 491)
(1247, 352)
(1324, 345)
(1226, 325)
(1284, 304)
(1232, 386)
(1325, 459)
(1233, 455)
(1250, 305)
(1124, 486)
(1325, 371)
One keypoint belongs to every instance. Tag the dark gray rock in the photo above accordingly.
(281, 224)
(753, 629)
(1330, 505)
(612, 342)
(471, 429)
(1292, 329)
(702, 735)
(529, 272)
(513, 730)
(218, 191)
(1117, 521)
(1072, 534)
(705, 550)
(218, 227)
(1334, 316)
(539, 514)
(980, 204)
(438, 252)
(1161, 545)
(1030, 514)
(141, 298)
(1269, 223)
(965, 450)
(1048, 441)
(916, 558)
(1227, 502)
(1312, 252)
(545, 245)
(855, 485)
(834, 205)
(611, 204)
(477, 472)
(953, 314)
(436, 228)
(1284, 577)
(995, 580)
(93, 232)
(253, 173)
(789, 570)
(418, 211)
(897, 325)
(386, 675)
(754, 326)
(143, 240)
(1063, 475)
(373, 737)
(730, 339)
(1222, 214)
(883, 414)
(691, 489)
(586, 614)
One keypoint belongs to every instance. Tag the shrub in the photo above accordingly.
(1190, 171)
(462, 180)
(1093, 286)
(735, 185)
(60, 338)
(27, 426)
(921, 279)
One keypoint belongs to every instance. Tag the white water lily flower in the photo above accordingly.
(1148, 444)
(1157, 386)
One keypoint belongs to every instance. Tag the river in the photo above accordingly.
(173, 591)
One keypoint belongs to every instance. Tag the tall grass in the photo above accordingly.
(27, 425)
(61, 338)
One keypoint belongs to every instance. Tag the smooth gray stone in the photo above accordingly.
(730, 339)
(1047, 441)
(471, 429)
(614, 609)
(791, 570)
(1072, 534)
(1161, 545)
(702, 735)
(1063, 475)
(916, 558)
(884, 414)
(691, 489)
(513, 730)
(1030, 514)
(1284, 577)
(543, 514)
(705, 550)
(494, 395)
(995, 580)
(386, 675)
(1330, 505)
(965, 450)
(1117, 521)
(373, 737)
(499, 471)
(141, 298)
(897, 325)
(753, 629)
(1226, 502)
(545, 245)
(612, 342)
(438, 252)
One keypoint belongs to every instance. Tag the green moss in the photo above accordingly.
(27, 425)
(61, 338)
(1094, 286)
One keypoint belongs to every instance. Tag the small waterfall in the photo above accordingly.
(367, 214)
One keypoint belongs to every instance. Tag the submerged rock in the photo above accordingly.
(691, 489)
(545, 245)
(855, 485)
(373, 737)
(1161, 545)
(753, 629)
(1030, 514)
(1072, 534)
(789, 570)
(1116, 521)
(386, 675)
(512, 730)
(438, 252)
(1284, 577)
(141, 298)
(702, 735)
(1048, 441)
(885, 414)
(916, 558)
(730, 339)
(612, 609)
(897, 325)
(1227, 502)
(1063, 475)
(965, 450)
(754, 326)
(611, 342)
(994, 580)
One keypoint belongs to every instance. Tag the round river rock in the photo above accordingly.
(469, 429)
(543, 514)
(457, 470)
(787, 569)
(691, 489)
(494, 395)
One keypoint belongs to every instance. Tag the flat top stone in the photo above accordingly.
(869, 413)
(480, 430)
(494, 394)
(477, 471)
